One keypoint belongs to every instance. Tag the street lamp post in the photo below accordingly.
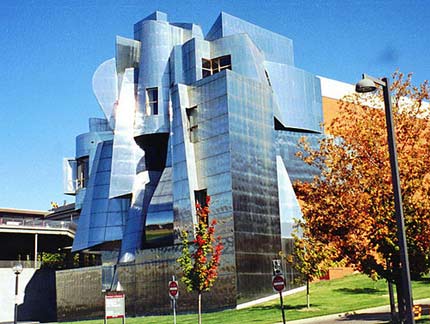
(368, 84)
(17, 269)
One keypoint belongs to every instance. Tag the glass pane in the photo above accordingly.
(206, 64)
(206, 73)
(152, 94)
(225, 60)
(154, 108)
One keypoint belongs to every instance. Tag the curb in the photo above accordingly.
(343, 316)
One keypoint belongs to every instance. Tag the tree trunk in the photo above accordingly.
(200, 308)
(307, 293)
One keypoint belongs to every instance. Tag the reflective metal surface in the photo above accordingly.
(126, 153)
(171, 130)
(101, 218)
(105, 86)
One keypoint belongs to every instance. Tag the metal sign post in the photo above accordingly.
(278, 283)
(282, 307)
(174, 294)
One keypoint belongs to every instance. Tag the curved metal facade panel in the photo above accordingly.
(126, 153)
(286, 147)
(276, 48)
(159, 218)
(253, 174)
(246, 59)
(69, 172)
(105, 86)
(184, 173)
(157, 41)
(298, 95)
(101, 218)
(289, 208)
(127, 55)
(86, 143)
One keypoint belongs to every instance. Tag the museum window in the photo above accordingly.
(152, 101)
(200, 198)
(192, 123)
(212, 66)
(82, 172)
(206, 68)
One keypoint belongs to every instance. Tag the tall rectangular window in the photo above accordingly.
(192, 123)
(152, 101)
(200, 198)
(212, 66)
(82, 172)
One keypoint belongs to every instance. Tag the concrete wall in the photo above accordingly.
(7, 291)
(36, 295)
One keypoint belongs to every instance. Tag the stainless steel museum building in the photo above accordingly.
(188, 115)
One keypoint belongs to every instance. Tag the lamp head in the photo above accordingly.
(17, 268)
(365, 85)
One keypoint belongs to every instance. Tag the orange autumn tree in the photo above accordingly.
(351, 205)
(200, 261)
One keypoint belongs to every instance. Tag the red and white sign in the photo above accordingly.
(173, 289)
(115, 305)
(278, 283)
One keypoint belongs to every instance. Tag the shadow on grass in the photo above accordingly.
(362, 318)
(384, 316)
(359, 290)
(278, 307)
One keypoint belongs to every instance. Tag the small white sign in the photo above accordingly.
(115, 305)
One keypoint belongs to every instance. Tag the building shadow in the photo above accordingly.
(40, 301)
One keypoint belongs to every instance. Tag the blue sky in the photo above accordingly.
(50, 50)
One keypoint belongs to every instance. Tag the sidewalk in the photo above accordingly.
(376, 315)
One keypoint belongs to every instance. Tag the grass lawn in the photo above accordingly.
(327, 297)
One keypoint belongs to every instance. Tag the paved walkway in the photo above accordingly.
(376, 315)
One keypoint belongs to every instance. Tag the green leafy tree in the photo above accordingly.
(201, 257)
(310, 257)
(59, 260)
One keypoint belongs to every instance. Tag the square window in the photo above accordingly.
(206, 73)
(225, 61)
(215, 65)
(206, 64)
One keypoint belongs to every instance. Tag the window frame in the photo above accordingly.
(82, 172)
(192, 123)
(215, 65)
(151, 105)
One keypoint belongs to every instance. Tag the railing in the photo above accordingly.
(31, 222)
(11, 263)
